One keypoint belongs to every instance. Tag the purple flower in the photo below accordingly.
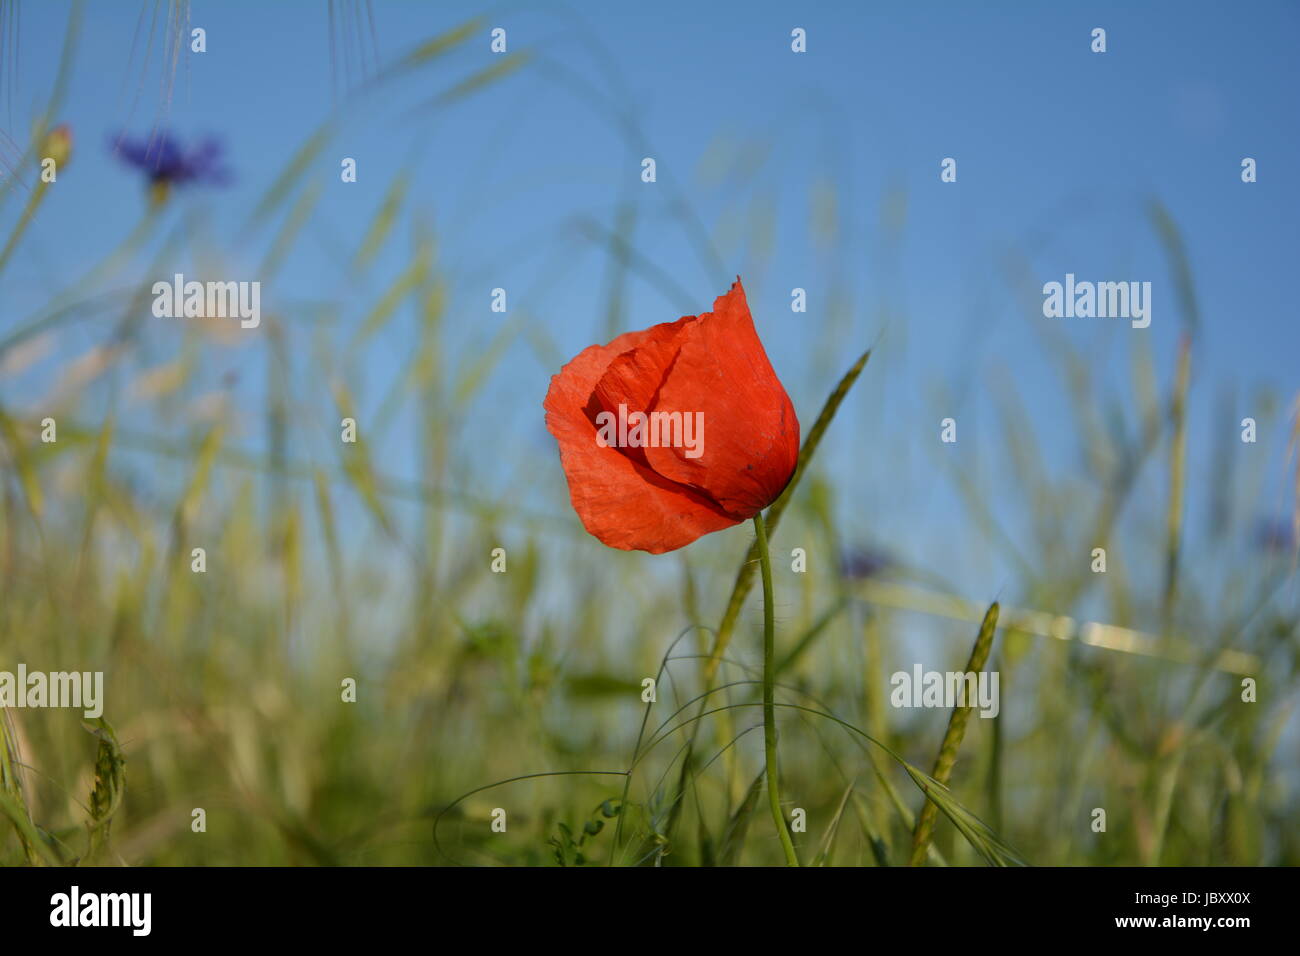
(863, 563)
(167, 162)
(1275, 535)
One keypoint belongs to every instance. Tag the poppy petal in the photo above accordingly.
(634, 376)
(632, 379)
(751, 433)
(619, 500)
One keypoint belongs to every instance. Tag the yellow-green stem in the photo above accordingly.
(29, 211)
(769, 695)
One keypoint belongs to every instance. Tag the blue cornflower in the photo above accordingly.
(863, 563)
(168, 163)
(1275, 535)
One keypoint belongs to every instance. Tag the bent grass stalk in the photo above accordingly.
(745, 575)
(769, 695)
(952, 738)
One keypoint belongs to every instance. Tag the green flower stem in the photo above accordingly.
(769, 695)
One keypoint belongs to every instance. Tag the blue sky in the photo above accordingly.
(1059, 151)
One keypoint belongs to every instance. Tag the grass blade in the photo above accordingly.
(745, 576)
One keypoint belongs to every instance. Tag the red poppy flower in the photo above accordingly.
(675, 431)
